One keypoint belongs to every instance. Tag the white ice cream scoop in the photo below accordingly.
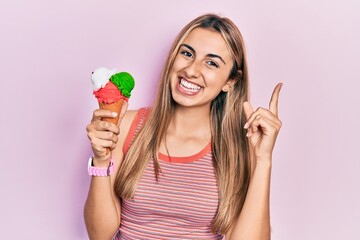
(100, 77)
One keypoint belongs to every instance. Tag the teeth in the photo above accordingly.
(190, 86)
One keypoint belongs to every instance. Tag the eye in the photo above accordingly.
(212, 64)
(186, 53)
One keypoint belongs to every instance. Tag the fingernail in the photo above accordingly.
(246, 125)
(248, 134)
(114, 114)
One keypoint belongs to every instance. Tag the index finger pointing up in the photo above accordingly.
(273, 105)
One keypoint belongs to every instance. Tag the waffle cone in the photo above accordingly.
(114, 107)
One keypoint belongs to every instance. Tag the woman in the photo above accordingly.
(197, 164)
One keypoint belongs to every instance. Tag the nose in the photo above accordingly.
(193, 70)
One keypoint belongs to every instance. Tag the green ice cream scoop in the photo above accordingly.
(124, 82)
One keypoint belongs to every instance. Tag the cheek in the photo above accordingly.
(225, 75)
(217, 77)
(178, 63)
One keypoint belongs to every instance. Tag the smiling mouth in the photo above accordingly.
(187, 87)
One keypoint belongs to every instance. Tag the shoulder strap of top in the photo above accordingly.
(135, 127)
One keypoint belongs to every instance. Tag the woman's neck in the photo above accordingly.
(192, 120)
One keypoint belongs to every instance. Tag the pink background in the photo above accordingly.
(49, 48)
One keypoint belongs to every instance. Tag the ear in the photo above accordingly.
(228, 85)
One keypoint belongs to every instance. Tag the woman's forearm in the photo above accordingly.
(102, 210)
(254, 220)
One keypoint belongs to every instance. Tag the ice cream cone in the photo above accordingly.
(111, 90)
(114, 107)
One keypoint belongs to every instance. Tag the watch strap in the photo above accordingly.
(100, 172)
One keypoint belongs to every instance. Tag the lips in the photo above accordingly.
(188, 88)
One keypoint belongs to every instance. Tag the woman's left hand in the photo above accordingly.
(263, 126)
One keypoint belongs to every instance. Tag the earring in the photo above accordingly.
(226, 89)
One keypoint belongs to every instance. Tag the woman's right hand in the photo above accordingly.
(103, 135)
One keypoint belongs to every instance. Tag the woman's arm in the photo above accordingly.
(254, 220)
(102, 210)
(263, 127)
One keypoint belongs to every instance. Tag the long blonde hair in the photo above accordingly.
(229, 142)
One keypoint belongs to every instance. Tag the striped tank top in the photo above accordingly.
(180, 205)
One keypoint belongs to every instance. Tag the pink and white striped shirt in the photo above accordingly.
(181, 205)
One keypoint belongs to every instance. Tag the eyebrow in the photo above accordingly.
(212, 55)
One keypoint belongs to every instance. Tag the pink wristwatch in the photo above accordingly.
(100, 172)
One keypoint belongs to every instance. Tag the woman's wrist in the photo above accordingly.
(263, 158)
(100, 171)
(99, 162)
(265, 162)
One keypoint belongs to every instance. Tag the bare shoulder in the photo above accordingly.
(127, 121)
(117, 153)
(125, 126)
